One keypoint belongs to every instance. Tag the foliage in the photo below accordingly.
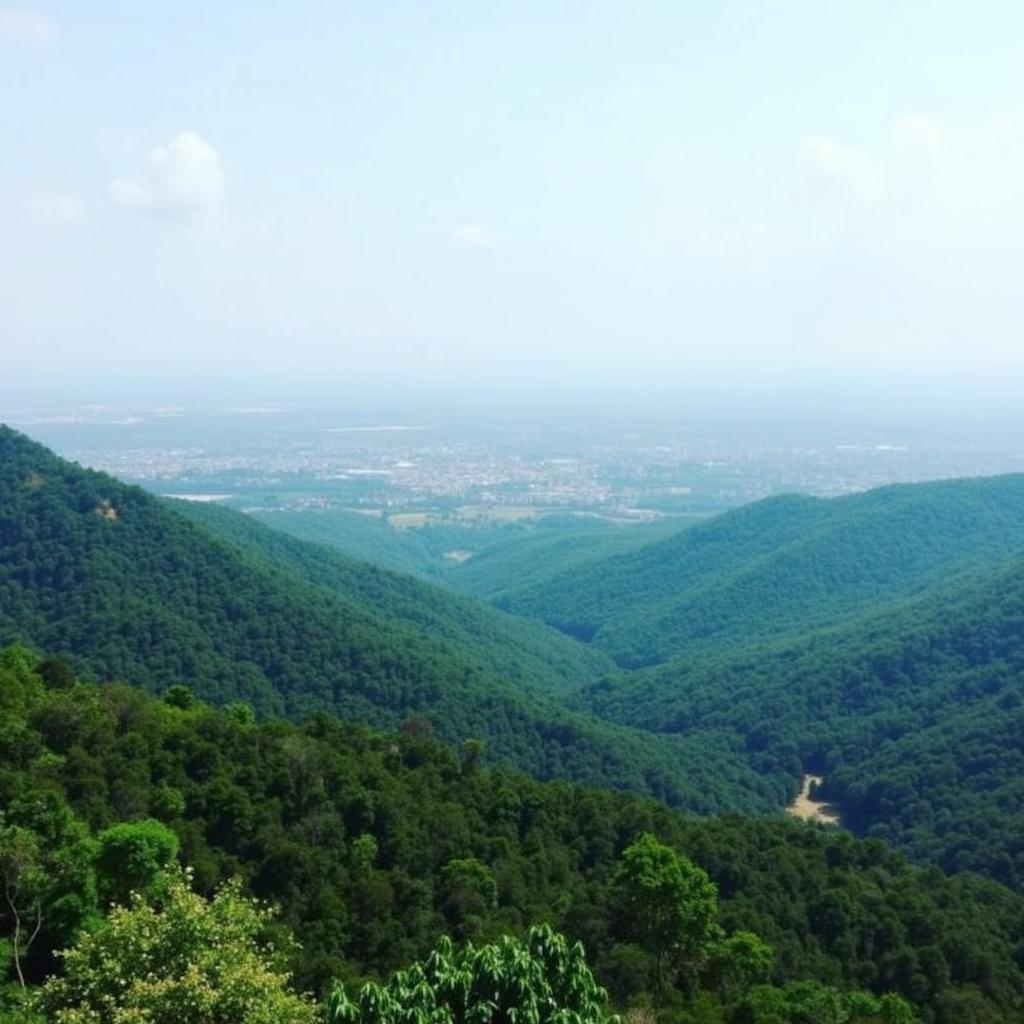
(182, 960)
(915, 717)
(375, 844)
(529, 654)
(24, 884)
(46, 875)
(543, 980)
(878, 640)
(503, 554)
(807, 1002)
(131, 856)
(786, 564)
(669, 904)
(236, 612)
(554, 546)
(468, 893)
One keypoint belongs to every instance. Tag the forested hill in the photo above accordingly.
(783, 564)
(549, 547)
(502, 555)
(374, 844)
(533, 656)
(125, 586)
(915, 714)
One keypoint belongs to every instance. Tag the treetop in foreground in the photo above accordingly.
(541, 980)
(177, 959)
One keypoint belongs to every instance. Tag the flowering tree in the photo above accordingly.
(176, 959)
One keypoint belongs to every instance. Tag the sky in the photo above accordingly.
(445, 198)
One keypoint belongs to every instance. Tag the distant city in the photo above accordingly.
(282, 457)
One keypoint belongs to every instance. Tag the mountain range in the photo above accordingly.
(876, 640)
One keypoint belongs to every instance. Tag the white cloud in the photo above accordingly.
(185, 182)
(1007, 134)
(470, 234)
(259, 229)
(845, 170)
(26, 28)
(55, 211)
(925, 133)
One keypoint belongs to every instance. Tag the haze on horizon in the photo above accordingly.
(777, 205)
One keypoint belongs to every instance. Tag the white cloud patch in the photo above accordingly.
(55, 211)
(843, 170)
(1007, 134)
(261, 229)
(26, 28)
(921, 133)
(470, 234)
(185, 182)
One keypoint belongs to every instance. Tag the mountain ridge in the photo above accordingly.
(124, 586)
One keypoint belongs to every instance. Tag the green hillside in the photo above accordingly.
(125, 586)
(555, 545)
(785, 564)
(893, 666)
(914, 713)
(527, 653)
(373, 845)
(503, 556)
(366, 538)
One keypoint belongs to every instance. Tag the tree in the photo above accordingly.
(543, 980)
(56, 674)
(740, 960)
(131, 856)
(47, 882)
(809, 1002)
(468, 893)
(179, 696)
(24, 883)
(472, 754)
(670, 906)
(178, 960)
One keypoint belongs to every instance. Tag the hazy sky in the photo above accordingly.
(481, 194)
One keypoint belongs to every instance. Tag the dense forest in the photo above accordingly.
(372, 845)
(876, 640)
(532, 656)
(492, 554)
(123, 585)
(785, 565)
(494, 557)
(915, 715)
(909, 703)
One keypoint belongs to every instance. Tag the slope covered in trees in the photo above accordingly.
(374, 844)
(125, 586)
(909, 704)
(915, 715)
(531, 655)
(553, 546)
(501, 556)
(418, 550)
(786, 564)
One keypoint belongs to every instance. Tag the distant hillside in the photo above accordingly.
(501, 555)
(914, 712)
(363, 537)
(554, 546)
(125, 586)
(529, 654)
(784, 564)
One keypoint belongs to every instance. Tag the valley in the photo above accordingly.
(702, 663)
